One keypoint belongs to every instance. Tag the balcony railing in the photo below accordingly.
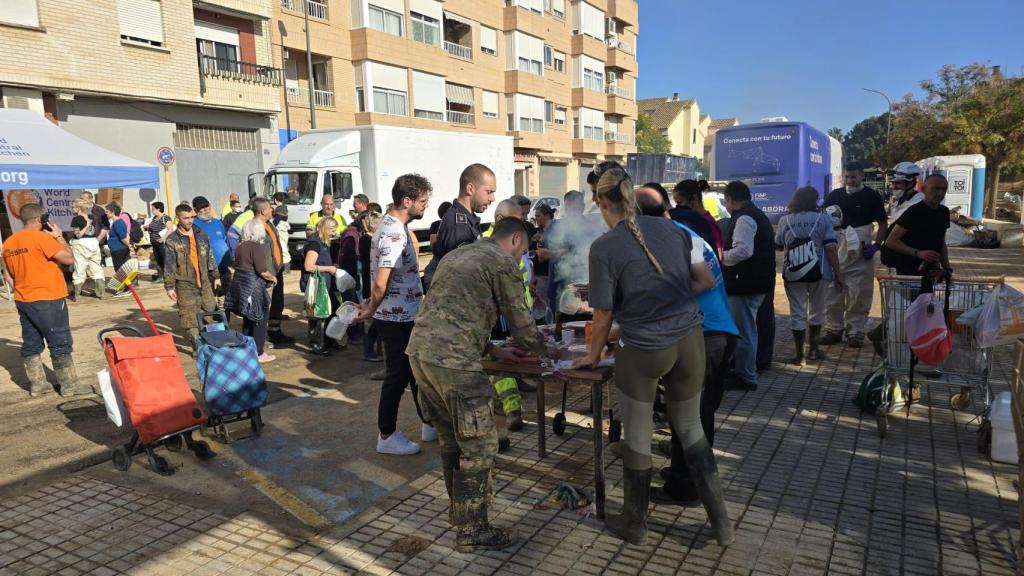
(315, 8)
(614, 42)
(211, 66)
(300, 96)
(461, 118)
(458, 50)
(619, 137)
(619, 91)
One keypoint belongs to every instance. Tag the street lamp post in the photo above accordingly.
(888, 128)
(309, 68)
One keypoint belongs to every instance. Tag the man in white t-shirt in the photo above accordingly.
(394, 301)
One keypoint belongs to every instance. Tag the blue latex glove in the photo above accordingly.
(869, 251)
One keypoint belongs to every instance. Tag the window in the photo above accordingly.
(593, 80)
(488, 40)
(589, 20)
(549, 112)
(549, 56)
(559, 61)
(525, 53)
(23, 12)
(556, 7)
(528, 112)
(387, 101)
(560, 113)
(339, 185)
(588, 73)
(426, 29)
(588, 124)
(385, 20)
(490, 104)
(694, 135)
(141, 21)
(218, 47)
(535, 6)
(429, 95)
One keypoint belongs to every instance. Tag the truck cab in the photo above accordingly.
(306, 188)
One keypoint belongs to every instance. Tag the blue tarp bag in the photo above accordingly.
(230, 372)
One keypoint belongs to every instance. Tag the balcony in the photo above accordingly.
(253, 7)
(626, 11)
(619, 143)
(620, 137)
(315, 8)
(620, 101)
(587, 146)
(461, 118)
(213, 67)
(524, 20)
(458, 50)
(531, 140)
(613, 41)
(584, 97)
(524, 83)
(300, 97)
(583, 44)
(618, 58)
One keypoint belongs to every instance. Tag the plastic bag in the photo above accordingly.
(930, 339)
(116, 412)
(322, 307)
(1001, 320)
(310, 296)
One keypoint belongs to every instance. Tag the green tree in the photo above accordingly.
(836, 133)
(649, 138)
(866, 136)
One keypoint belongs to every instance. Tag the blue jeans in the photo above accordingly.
(44, 320)
(744, 313)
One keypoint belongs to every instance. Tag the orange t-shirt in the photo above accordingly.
(27, 257)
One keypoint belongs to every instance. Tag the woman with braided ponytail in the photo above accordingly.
(641, 275)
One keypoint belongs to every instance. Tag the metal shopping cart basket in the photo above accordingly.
(967, 367)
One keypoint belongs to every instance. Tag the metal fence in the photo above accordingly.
(458, 50)
(315, 8)
(214, 67)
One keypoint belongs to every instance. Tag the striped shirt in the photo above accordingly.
(157, 226)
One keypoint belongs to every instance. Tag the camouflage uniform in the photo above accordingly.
(179, 275)
(471, 287)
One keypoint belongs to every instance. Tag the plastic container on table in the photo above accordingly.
(1004, 439)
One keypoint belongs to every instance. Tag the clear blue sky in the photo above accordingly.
(808, 59)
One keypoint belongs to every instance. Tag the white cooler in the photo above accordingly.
(1004, 439)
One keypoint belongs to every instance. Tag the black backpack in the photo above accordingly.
(135, 233)
(801, 262)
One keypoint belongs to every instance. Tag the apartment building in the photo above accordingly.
(558, 76)
(136, 75)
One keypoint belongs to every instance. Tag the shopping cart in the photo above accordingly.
(967, 367)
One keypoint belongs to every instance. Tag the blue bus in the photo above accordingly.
(776, 158)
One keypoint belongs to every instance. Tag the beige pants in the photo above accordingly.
(88, 260)
(806, 303)
(848, 308)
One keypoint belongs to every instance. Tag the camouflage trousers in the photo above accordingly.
(192, 301)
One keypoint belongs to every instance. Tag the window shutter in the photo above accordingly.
(22, 12)
(390, 77)
(430, 8)
(216, 33)
(490, 102)
(488, 38)
(141, 20)
(428, 91)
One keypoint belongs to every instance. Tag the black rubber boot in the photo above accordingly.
(36, 375)
(514, 421)
(631, 524)
(700, 459)
(472, 494)
(798, 345)
(814, 353)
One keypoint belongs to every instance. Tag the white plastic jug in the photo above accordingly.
(341, 320)
(1004, 438)
(344, 280)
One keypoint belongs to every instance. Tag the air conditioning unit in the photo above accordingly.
(609, 26)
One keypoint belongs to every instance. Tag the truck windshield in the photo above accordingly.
(299, 186)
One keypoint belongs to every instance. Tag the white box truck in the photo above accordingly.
(367, 159)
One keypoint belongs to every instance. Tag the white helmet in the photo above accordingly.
(905, 172)
(836, 214)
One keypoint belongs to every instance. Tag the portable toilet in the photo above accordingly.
(966, 176)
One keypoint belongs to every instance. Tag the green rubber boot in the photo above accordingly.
(67, 377)
(36, 375)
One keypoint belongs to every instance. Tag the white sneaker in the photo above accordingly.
(428, 434)
(397, 444)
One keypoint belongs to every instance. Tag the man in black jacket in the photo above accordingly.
(460, 225)
(749, 271)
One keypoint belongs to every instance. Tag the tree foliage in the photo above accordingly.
(836, 132)
(867, 136)
(649, 138)
(968, 110)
